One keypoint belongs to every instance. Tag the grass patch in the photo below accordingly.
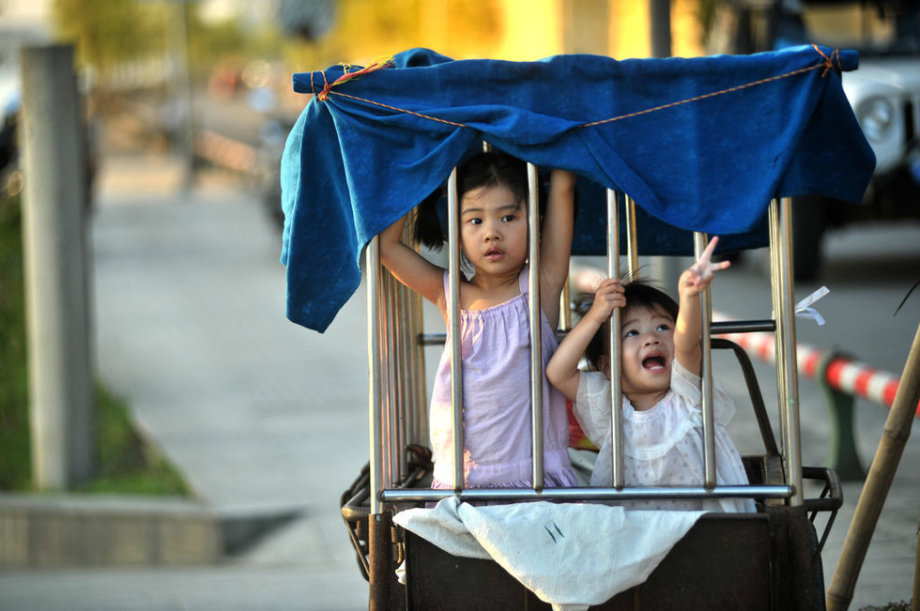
(125, 464)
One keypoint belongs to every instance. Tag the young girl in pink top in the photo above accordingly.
(494, 328)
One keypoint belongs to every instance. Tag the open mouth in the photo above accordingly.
(653, 363)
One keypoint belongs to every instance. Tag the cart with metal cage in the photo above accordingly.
(419, 115)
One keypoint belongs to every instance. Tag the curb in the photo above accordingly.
(60, 531)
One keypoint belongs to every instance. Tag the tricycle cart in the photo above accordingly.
(668, 152)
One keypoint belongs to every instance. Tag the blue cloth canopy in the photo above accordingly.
(701, 144)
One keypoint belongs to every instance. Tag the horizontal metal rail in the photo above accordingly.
(718, 328)
(394, 495)
(743, 326)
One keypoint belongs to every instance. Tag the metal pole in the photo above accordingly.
(616, 366)
(403, 346)
(632, 238)
(398, 363)
(453, 323)
(776, 289)
(878, 482)
(565, 309)
(388, 378)
(790, 366)
(423, 495)
(56, 269)
(709, 425)
(372, 271)
(421, 400)
(536, 331)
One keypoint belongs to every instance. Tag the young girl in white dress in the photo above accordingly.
(661, 361)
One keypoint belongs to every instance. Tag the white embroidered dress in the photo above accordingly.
(663, 444)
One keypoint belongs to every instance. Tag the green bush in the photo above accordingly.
(125, 464)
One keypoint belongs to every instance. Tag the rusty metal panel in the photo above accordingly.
(438, 581)
(722, 563)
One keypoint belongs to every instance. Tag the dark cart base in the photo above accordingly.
(767, 561)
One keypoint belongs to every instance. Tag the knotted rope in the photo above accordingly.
(347, 76)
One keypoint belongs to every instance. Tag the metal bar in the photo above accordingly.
(588, 494)
(372, 271)
(790, 366)
(536, 335)
(616, 363)
(700, 240)
(419, 417)
(776, 287)
(632, 237)
(432, 339)
(391, 377)
(404, 378)
(417, 426)
(565, 308)
(453, 324)
(742, 326)
(716, 328)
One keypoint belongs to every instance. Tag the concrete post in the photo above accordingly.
(56, 269)
(183, 92)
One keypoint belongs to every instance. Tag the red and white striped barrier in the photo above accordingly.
(842, 373)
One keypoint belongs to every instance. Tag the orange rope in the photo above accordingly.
(397, 109)
(347, 76)
(829, 62)
(704, 96)
(832, 61)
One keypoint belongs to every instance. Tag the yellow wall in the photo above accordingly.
(629, 29)
(530, 29)
(686, 32)
(503, 29)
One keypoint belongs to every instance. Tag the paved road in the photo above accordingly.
(259, 412)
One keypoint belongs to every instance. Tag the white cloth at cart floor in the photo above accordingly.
(570, 555)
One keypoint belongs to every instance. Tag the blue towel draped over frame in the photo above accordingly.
(351, 167)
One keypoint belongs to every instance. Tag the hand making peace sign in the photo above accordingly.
(699, 275)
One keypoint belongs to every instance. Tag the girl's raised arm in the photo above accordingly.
(409, 267)
(562, 369)
(687, 329)
(556, 242)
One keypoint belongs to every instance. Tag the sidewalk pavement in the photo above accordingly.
(258, 412)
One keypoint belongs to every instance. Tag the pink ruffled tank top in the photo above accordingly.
(495, 346)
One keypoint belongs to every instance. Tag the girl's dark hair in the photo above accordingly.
(637, 293)
(482, 170)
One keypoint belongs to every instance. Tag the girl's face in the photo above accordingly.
(493, 230)
(648, 349)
